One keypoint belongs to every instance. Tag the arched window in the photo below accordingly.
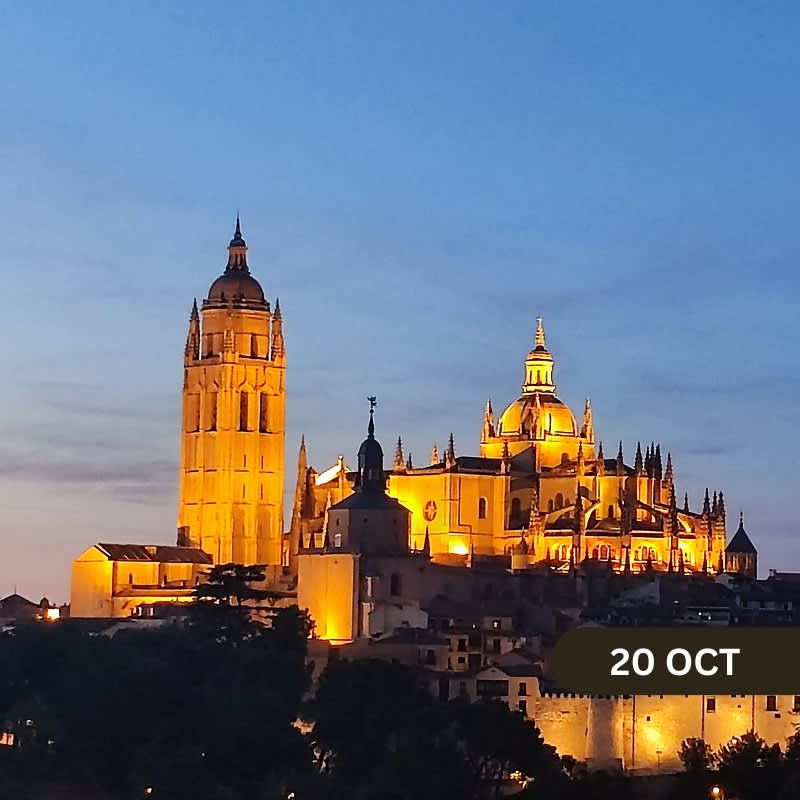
(595, 553)
(550, 504)
(563, 552)
(610, 512)
(482, 508)
(564, 458)
(653, 555)
(604, 551)
(211, 412)
(130, 578)
(516, 510)
(395, 584)
(559, 500)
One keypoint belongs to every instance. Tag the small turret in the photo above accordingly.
(620, 462)
(399, 462)
(601, 461)
(587, 431)
(426, 544)
(638, 464)
(450, 453)
(487, 431)
(435, 455)
(706, 505)
(409, 462)
(657, 468)
(277, 350)
(192, 351)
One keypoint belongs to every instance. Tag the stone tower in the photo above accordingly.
(233, 421)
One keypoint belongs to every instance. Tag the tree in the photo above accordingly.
(696, 756)
(750, 768)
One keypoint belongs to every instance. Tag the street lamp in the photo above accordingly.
(716, 793)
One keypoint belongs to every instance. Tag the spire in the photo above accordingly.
(587, 432)
(686, 502)
(409, 462)
(580, 462)
(669, 474)
(620, 462)
(540, 341)
(312, 544)
(648, 463)
(278, 348)
(487, 432)
(371, 477)
(450, 453)
(638, 463)
(628, 559)
(657, 467)
(399, 461)
(714, 505)
(237, 250)
(704, 569)
(601, 461)
(706, 504)
(721, 505)
(300, 487)
(435, 455)
(192, 351)
(426, 545)
(326, 541)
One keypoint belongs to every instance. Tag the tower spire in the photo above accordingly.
(588, 427)
(399, 461)
(540, 340)
(435, 455)
(638, 463)
(277, 345)
(237, 250)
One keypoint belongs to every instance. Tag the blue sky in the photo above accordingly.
(417, 182)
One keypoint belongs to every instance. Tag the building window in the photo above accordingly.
(462, 688)
(430, 657)
(523, 689)
(243, 409)
(482, 508)
(610, 512)
(462, 659)
(394, 584)
(462, 645)
(516, 511)
(523, 707)
(772, 702)
(796, 706)
(262, 413)
(496, 645)
(492, 688)
(711, 705)
(604, 551)
(496, 624)
(559, 500)
(337, 539)
(130, 578)
(550, 504)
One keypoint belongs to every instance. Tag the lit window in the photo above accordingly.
(337, 539)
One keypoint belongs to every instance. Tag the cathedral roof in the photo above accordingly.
(741, 542)
(366, 500)
(157, 552)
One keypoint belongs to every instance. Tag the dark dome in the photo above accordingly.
(237, 286)
(370, 451)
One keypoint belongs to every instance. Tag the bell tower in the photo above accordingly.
(233, 420)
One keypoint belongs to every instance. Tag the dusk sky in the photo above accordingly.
(417, 183)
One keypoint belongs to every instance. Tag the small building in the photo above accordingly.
(112, 580)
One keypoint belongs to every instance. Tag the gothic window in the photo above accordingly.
(211, 417)
(394, 584)
(653, 556)
(595, 553)
(550, 504)
(604, 551)
(482, 508)
(610, 512)
(243, 409)
(262, 413)
(254, 346)
(193, 413)
(559, 500)
(516, 511)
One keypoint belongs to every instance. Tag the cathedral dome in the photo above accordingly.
(554, 416)
(236, 285)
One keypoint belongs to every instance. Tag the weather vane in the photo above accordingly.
(373, 401)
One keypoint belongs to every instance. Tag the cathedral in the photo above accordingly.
(541, 493)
